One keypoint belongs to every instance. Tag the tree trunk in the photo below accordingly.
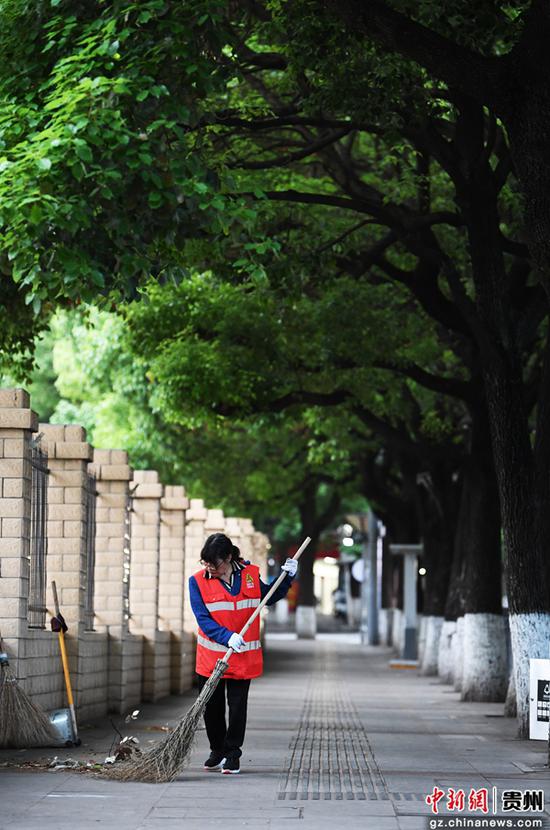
(399, 515)
(437, 512)
(484, 649)
(306, 615)
(437, 509)
(430, 658)
(308, 520)
(458, 654)
(445, 668)
(313, 523)
(527, 119)
(523, 493)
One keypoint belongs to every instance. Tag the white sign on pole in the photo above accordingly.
(539, 699)
(358, 570)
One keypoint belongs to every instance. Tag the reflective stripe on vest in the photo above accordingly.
(210, 644)
(230, 606)
(247, 603)
(220, 606)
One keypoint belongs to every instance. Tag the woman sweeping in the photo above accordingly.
(223, 597)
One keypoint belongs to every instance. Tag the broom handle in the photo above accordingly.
(269, 594)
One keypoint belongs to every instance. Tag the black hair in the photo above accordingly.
(218, 546)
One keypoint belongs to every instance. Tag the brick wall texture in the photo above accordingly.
(148, 539)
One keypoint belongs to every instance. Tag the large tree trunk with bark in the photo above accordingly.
(524, 496)
(438, 514)
(524, 106)
(398, 512)
(484, 670)
(523, 489)
(306, 625)
(313, 522)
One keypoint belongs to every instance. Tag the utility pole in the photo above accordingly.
(369, 584)
(373, 580)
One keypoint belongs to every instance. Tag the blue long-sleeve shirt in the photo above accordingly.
(219, 633)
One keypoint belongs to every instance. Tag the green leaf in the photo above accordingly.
(98, 278)
(35, 214)
(83, 150)
(44, 164)
(155, 199)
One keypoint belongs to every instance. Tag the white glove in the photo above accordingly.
(236, 642)
(290, 566)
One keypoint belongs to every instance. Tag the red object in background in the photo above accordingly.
(294, 590)
(292, 595)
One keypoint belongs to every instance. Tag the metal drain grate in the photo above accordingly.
(331, 757)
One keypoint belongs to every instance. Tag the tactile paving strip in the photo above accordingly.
(330, 757)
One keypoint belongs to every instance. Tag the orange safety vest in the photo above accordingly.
(232, 612)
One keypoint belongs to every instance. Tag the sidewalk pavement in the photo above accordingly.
(336, 739)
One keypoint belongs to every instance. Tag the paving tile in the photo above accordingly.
(335, 740)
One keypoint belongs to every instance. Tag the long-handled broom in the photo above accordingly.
(165, 761)
(23, 724)
(60, 626)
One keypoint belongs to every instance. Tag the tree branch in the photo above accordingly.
(452, 387)
(474, 74)
(423, 285)
(400, 438)
(296, 398)
(338, 239)
(263, 60)
(310, 398)
(281, 161)
(408, 223)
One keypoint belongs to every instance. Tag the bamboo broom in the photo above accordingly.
(164, 762)
(23, 724)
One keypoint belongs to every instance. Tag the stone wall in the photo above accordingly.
(69, 455)
(35, 651)
(123, 588)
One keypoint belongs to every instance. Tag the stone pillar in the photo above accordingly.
(247, 542)
(194, 540)
(68, 457)
(113, 517)
(144, 584)
(17, 423)
(215, 523)
(172, 587)
(260, 547)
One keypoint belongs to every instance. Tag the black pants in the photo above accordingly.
(229, 738)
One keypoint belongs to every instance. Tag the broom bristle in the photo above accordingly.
(166, 760)
(23, 724)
